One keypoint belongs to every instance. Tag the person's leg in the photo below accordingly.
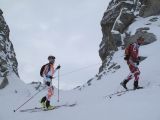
(129, 77)
(43, 101)
(125, 81)
(49, 95)
(48, 104)
(136, 80)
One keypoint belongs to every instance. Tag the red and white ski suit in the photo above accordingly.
(133, 50)
(50, 93)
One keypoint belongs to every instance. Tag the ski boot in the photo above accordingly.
(43, 102)
(123, 83)
(48, 106)
(136, 86)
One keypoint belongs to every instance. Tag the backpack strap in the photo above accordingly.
(48, 68)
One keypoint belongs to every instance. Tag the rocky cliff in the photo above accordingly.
(116, 20)
(8, 61)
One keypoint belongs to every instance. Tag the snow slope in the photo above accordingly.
(91, 101)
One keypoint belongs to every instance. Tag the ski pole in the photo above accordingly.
(27, 100)
(58, 84)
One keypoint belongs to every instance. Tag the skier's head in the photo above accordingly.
(140, 40)
(51, 59)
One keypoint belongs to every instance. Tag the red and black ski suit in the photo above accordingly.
(132, 61)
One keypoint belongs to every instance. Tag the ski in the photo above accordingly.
(39, 109)
(35, 109)
(120, 93)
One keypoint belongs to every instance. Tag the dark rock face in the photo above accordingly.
(143, 32)
(125, 19)
(150, 7)
(8, 61)
(119, 15)
(115, 20)
(4, 82)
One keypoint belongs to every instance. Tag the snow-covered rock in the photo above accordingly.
(8, 61)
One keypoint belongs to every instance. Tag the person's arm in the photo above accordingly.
(58, 67)
(134, 54)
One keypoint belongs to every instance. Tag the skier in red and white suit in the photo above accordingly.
(48, 74)
(133, 59)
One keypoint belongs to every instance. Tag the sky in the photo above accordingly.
(68, 29)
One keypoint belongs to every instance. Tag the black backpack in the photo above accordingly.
(42, 69)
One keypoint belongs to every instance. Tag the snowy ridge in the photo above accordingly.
(14, 81)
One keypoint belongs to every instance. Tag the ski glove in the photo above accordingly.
(137, 62)
(58, 67)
